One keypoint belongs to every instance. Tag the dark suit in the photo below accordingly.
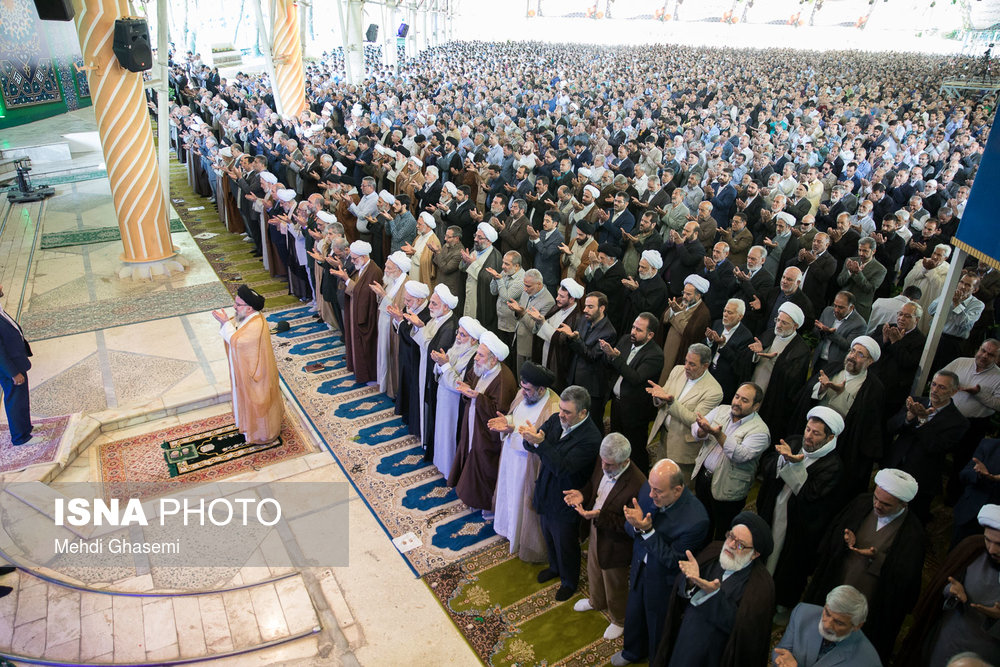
(840, 339)
(632, 409)
(566, 463)
(546, 255)
(898, 366)
(460, 215)
(818, 277)
(760, 285)
(680, 527)
(679, 261)
(429, 195)
(587, 367)
(862, 284)
(514, 236)
(735, 360)
(920, 450)
(799, 209)
(799, 298)
(888, 255)
(14, 353)
(611, 230)
(978, 490)
(609, 282)
(721, 285)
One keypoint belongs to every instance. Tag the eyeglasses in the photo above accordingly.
(740, 546)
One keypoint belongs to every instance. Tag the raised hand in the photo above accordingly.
(500, 424)
(530, 434)
(851, 540)
(634, 515)
(957, 590)
(785, 450)
(690, 569)
(656, 391)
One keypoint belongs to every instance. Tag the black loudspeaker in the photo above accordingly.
(372, 34)
(403, 29)
(131, 45)
(54, 10)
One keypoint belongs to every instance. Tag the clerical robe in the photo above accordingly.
(422, 268)
(549, 347)
(448, 404)
(477, 462)
(253, 375)
(479, 301)
(387, 354)
(683, 328)
(438, 334)
(408, 394)
(361, 323)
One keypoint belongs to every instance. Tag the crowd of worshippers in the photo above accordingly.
(608, 304)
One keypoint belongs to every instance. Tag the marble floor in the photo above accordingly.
(103, 345)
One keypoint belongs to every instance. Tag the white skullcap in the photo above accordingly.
(286, 195)
(698, 282)
(447, 298)
(386, 122)
(417, 289)
(794, 312)
(268, 177)
(488, 231)
(583, 171)
(870, 344)
(787, 217)
(386, 197)
(471, 326)
(326, 217)
(340, 166)
(897, 483)
(494, 345)
(594, 192)
(417, 161)
(653, 258)
(429, 220)
(574, 288)
(361, 248)
(450, 187)
(400, 259)
(989, 517)
(226, 152)
(828, 416)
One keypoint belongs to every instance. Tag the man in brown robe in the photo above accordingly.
(361, 313)
(685, 319)
(488, 389)
(253, 371)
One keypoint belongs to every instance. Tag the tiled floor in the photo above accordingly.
(371, 612)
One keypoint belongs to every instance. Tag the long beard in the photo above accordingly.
(735, 563)
(480, 370)
(829, 636)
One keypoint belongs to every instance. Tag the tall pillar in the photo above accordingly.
(356, 40)
(127, 142)
(286, 49)
(390, 57)
(425, 29)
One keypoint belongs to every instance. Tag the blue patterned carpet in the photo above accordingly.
(373, 446)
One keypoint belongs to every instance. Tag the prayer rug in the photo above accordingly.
(92, 235)
(509, 618)
(49, 429)
(374, 447)
(192, 453)
(140, 463)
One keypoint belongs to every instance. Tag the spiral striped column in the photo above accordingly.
(126, 135)
(286, 48)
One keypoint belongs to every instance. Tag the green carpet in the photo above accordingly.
(229, 255)
(89, 235)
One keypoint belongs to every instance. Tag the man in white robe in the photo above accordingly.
(449, 369)
(390, 293)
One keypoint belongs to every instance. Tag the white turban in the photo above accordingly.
(594, 192)
(989, 517)
(828, 416)
(787, 217)
(386, 197)
(471, 326)
(897, 483)
(286, 195)
(268, 177)
(429, 220)
(794, 312)
(583, 171)
(494, 345)
(698, 282)
(361, 248)
(417, 161)
(488, 231)
(653, 258)
(226, 152)
(384, 150)
(870, 344)
(450, 187)
(574, 288)
(400, 259)
(417, 289)
(326, 217)
(447, 298)
(340, 166)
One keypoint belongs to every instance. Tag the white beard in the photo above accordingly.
(481, 370)
(828, 636)
(735, 563)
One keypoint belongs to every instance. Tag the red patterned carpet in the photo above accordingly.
(16, 458)
(136, 466)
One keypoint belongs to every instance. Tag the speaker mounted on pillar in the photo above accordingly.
(403, 29)
(372, 34)
(55, 10)
(131, 45)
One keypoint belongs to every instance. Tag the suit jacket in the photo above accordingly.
(799, 209)
(566, 463)
(760, 285)
(14, 349)
(803, 640)
(514, 236)
(611, 231)
(722, 284)
(735, 360)
(898, 366)
(800, 299)
(614, 545)
(819, 275)
(863, 284)
(920, 450)
(704, 396)
(610, 283)
(635, 376)
(587, 367)
(546, 255)
(840, 340)
(978, 490)
(429, 194)
(461, 215)
(448, 260)
(888, 255)
(681, 527)
(679, 261)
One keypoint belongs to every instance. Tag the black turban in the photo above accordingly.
(610, 250)
(536, 375)
(763, 543)
(250, 297)
(585, 227)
